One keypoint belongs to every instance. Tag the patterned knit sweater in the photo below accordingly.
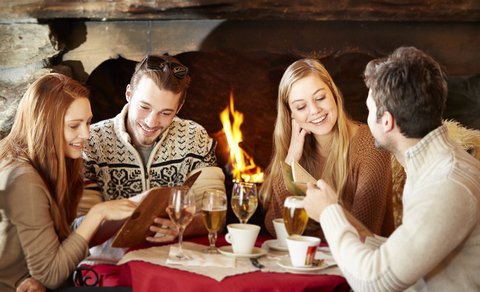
(111, 160)
(112, 163)
(368, 193)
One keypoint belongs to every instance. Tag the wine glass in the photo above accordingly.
(294, 215)
(244, 200)
(214, 212)
(181, 209)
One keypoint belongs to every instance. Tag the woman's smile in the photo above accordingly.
(313, 105)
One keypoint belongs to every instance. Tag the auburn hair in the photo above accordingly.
(37, 136)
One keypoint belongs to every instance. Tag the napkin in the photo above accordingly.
(328, 259)
(158, 255)
(199, 259)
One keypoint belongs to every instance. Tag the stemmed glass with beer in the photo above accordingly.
(294, 215)
(181, 209)
(214, 212)
(244, 200)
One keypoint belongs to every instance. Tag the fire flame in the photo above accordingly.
(243, 165)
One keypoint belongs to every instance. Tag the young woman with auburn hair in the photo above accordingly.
(313, 129)
(41, 184)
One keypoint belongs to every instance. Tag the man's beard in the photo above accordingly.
(387, 145)
(141, 139)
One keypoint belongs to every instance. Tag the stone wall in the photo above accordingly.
(26, 50)
(75, 37)
(30, 48)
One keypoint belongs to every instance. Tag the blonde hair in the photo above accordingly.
(335, 171)
(37, 136)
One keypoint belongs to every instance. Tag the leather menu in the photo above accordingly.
(137, 227)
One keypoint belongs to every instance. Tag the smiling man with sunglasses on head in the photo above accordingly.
(147, 146)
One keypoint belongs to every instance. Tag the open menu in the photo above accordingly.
(296, 179)
(154, 204)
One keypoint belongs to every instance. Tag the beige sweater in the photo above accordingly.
(29, 245)
(437, 247)
(368, 193)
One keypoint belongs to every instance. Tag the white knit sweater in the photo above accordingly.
(437, 247)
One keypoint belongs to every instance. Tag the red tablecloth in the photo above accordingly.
(146, 277)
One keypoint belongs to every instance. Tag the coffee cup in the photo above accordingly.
(302, 250)
(281, 231)
(242, 237)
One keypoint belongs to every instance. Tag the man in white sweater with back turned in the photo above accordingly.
(437, 247)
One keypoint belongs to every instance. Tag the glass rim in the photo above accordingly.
(244, 183)
(212, 191)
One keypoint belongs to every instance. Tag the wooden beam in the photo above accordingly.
(347, 10)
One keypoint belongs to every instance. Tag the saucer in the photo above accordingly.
(228, 252)
(287, 265)
(273, 244)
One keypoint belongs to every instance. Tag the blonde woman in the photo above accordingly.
(41, 184)
(313, 129)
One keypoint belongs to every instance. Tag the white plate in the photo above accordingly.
(287, 265)
(228, 252)
(273, 244)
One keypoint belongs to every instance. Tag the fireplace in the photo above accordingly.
(239, 47)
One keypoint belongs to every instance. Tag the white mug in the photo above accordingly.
(242, 237)
(302, 250)
(281, 231)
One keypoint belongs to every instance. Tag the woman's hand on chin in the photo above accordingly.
(297, 140)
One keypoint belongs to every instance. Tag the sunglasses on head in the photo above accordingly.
(159, 63)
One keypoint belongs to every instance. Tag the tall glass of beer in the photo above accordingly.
(214, 212)
(294, 215)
